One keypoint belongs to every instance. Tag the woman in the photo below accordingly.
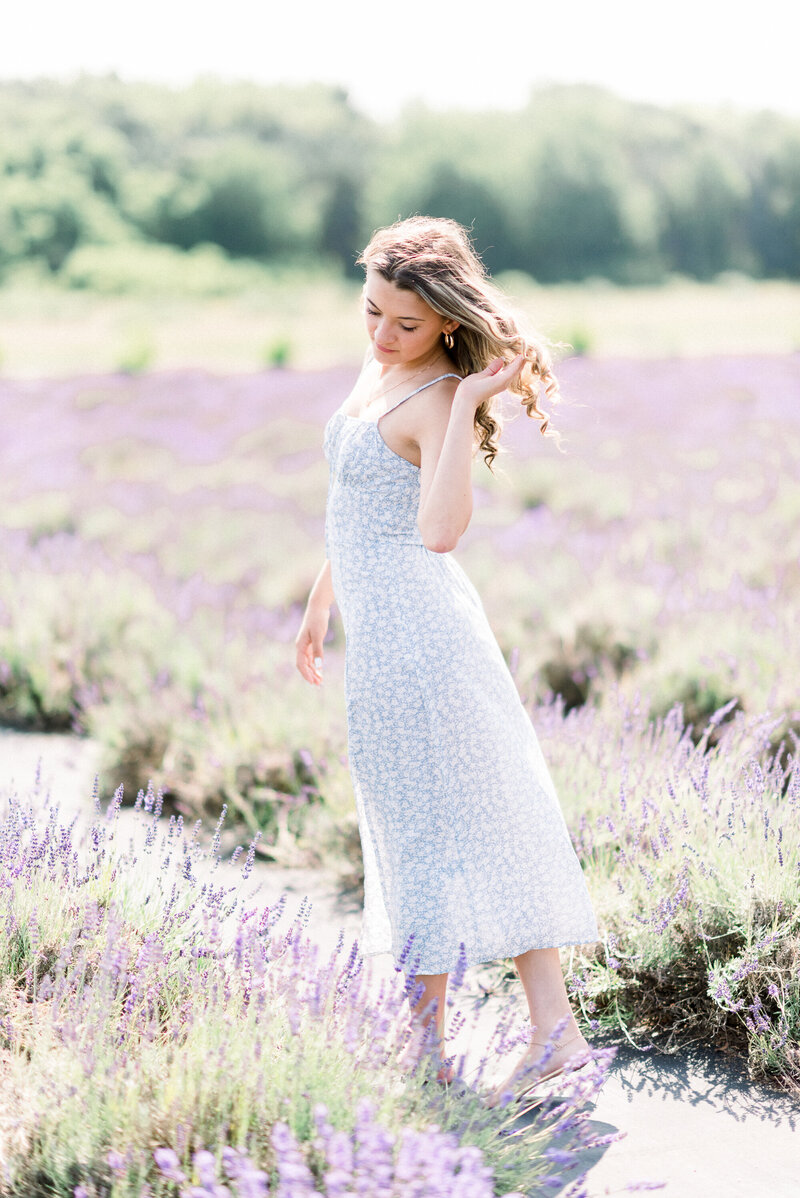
(465, 846)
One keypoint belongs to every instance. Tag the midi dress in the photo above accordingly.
(467, 856)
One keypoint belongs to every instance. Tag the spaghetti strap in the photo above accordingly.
(422, 388)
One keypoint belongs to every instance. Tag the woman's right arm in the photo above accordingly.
(314, 627)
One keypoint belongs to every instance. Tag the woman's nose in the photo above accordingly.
(383, 332)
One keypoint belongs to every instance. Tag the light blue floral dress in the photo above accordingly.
(463, 838)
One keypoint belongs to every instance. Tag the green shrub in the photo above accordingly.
(277, 353)
(580, 340)
(137, 352)
(144, 268)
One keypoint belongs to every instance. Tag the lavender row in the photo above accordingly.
(162, 1032)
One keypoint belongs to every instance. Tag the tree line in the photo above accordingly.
(578, 183)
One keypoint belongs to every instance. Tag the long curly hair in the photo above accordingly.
(435, 258)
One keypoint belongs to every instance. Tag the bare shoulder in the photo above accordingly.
(435, 402)
(431, 417)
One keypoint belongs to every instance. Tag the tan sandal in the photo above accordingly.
(558, 1045)
(535, 1081)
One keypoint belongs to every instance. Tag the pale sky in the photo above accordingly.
(472, 54)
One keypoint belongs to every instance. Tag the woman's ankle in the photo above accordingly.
(560, 1029)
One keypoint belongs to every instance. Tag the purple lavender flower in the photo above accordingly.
(116, 1162)
(206, 1166)
(295, 1178)
(168, 1164)
(250, 1181)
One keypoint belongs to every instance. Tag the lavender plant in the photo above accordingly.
(692, 854)
(161, 1033)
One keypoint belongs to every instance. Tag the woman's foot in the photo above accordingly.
(413, 1052)
(445, 1073)
(566, 1053)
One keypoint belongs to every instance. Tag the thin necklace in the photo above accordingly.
(394, 386)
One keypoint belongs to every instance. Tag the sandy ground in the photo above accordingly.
(692, 1122)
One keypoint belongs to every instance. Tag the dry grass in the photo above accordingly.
(54, 332)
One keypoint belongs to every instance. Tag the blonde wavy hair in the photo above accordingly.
(434, 257)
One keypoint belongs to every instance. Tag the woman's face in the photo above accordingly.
(403, 329)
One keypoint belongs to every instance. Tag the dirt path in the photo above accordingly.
(692, 1122)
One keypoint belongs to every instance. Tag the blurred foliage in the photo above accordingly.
(162, 531)
(148, 268)
(577, 184)
(278, 353)
(137, 352)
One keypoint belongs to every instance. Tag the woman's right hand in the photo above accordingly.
(483, 386)
(309, 640)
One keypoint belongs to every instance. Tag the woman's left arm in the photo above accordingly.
(446, 447)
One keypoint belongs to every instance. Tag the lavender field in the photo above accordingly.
(160, 534)
(162, 1035)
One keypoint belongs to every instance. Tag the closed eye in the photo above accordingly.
(408, 328)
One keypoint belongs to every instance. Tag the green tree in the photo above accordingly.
(704, 210)
(456, 194)
(774, 215)
(46, 216)
(341, 223)
(245, 198)
(577, 220)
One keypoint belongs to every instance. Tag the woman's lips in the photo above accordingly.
(383, 348)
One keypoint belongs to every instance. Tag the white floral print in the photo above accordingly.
(463, 837)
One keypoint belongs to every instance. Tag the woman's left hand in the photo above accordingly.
(478, 388)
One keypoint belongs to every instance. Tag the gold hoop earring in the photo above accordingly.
(448, 340)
